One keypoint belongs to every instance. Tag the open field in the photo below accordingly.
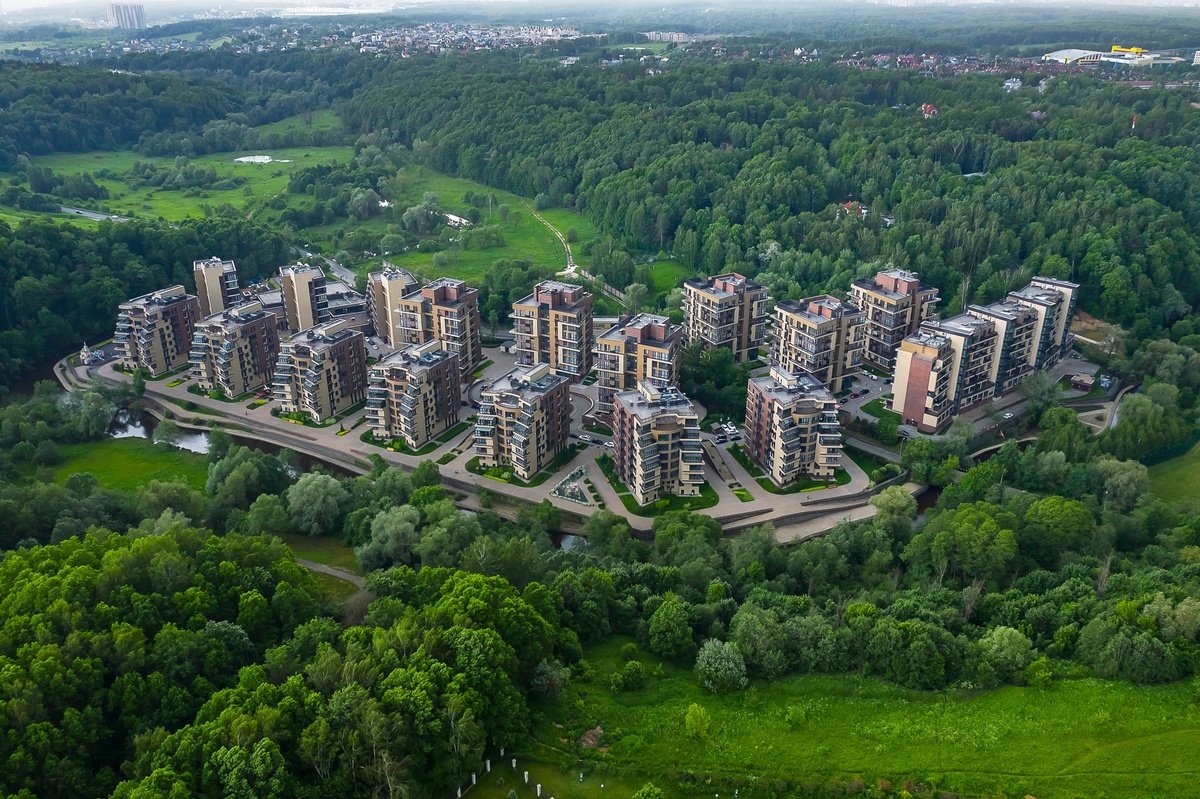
(1073, 739)
(320, 120)
(324, 550)
(128, 463)
(336, 589)
(1177, 479)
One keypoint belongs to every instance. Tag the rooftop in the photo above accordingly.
(301, 269)
(1007, 310)
(416, 357)
(788, 387)
(530, 383)
(161, 298)
(649, 401)
(723, 286)
(621, 331)
(819, 309)
(208, 263)
(928, 338)
(1037, 295)
(324, 335)
(235, 317)
(961, 325)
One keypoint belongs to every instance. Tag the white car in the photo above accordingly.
(1008, 416)
(608, 444)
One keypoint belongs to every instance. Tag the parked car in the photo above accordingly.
(608, 444)
(866, 391)
(1008, 416)
(585, 437)
(719, 440)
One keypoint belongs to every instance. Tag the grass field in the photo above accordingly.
(324, 550)
(128, 463)
(1073, 739)
(336, 589)
(1178, 478)
(878, 409)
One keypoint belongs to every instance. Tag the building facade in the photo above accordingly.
(1054, 303)
(822, 335)
(643, 347)
(791, 427)
(726, 311)
(524, 420)
(385, 289)
(234, 351)
(154, 331)
(305, 303)
(945, 369)
(894, 304)
(321, 371)
(216, 285)
(554, 326)
(656, 443)
(446, 311)
(126, 16)
(1016, 342)
(414, 394)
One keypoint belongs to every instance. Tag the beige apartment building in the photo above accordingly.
(414, 394)
(216, 285)
(554, 326)
(945, 369)
(792, 427)
(234, 351)
(385, 289)
(894, 305)
(822, 336)
(643, 347)
(154, 331)
(656, 443)
(524, 420)
(305, 303)
(446, 311)
(1054, 303)
(321, 371)
(726, 311)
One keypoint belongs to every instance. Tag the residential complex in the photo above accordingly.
(726, 311)
(414, 394)
(656, 443)
(894, 304)
(524, 420)
(304, 300)
(447, 311)
(216, 285)
(643, 347)
(554, 326)
(792, 427)
(953, 365)
(154, 331)
(385, 289)
(321, 371)
(234, 351)
(820, 335)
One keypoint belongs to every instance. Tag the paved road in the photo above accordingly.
(66, 209)
(341, 272)
(332, 571)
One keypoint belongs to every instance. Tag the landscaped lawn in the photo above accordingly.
(322, 549)
(865, 460)
(128, 463)
(878, 409)
(739, 455)
(1072, 740)
(840, 477)
(1178, 478)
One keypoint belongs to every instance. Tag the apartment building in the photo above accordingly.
(1016, 341)
(305, 303)
(1054, 303)
(656, 443)
(414, 394)
(447, 311)
(642, 347)
(524, 420)
(154, 331)
(726, 311)
(321, 371)
(945, 369)
(894, 304)
(234, 351)
(554, 326)
(216, 285)
(385, 289)
(821, 335)
(791, 427)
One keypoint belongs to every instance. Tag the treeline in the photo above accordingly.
(745, 166)
(61, 284)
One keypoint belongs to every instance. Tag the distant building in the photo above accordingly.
(726, 311)
(414, 394)
(643, 347)
(154, 331)
(1121, 56)
(305, 302)
(234, 351)
(894, 304)
(656, 443)
(321, 371)
(524, 420)
(822, 336)
(929, 111)
(126, 16)
(216, 285)
(446, 310)
(792, 427)
(385, 289)
(1012, 84)
(554, 326)
(343, 301)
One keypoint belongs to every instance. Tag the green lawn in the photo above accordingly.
(335, 588)
(878, 409)
(667, 275)
(322, 549)
(1074, 739)
(865, 460)
(127, 463)
(841, 477)
(739, 455)
(1178, 478)
(320, 120)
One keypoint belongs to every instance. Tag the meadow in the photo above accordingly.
(323, 549)
(1178, 478)
(128, 463)
(1075, 738)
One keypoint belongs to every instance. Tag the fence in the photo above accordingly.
(1167, 453)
